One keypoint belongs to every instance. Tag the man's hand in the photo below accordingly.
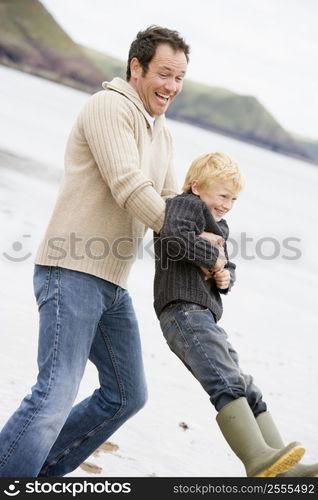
(213, 238)
(222, 279)
(208, 273)
(218, 242)
(221, 261)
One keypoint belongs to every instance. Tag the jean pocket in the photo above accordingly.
(197, 310)
(192, 307)
(199, 318)
(41, 283)
(175, 338)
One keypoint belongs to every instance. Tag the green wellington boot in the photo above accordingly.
(273, 438)
(240, 429)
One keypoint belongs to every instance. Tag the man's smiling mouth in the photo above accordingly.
(163, 98)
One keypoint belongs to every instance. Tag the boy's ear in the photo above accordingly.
(194, 187)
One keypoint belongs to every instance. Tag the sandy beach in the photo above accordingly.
(270, 316)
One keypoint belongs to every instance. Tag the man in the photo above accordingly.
(118, 171)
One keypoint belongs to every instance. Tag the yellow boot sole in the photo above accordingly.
(286, 459)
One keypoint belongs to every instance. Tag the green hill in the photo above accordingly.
(241, 116)
(108, 65)
(309, 145)
(31, 40)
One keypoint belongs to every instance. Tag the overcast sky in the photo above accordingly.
(267, 48)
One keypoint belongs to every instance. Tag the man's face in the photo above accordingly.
(219, 198)
(163, 80)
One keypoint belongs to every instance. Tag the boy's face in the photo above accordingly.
(219, 198)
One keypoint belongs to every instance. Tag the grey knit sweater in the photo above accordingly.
(180, 251)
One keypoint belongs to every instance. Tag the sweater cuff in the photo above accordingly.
(148, 206)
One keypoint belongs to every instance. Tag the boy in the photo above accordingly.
(192, 270)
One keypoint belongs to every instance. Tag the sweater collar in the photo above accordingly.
(124, 88)
(211, 225)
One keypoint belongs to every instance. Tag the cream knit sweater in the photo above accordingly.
(118, 171)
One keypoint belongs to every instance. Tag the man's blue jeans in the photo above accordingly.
(81, 317)
(193, 335)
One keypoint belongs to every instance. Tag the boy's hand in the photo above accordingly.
(222, 279)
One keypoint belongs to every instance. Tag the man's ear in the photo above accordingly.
(135, 67)
(194, 187)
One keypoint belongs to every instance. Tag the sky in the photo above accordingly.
(265, 48)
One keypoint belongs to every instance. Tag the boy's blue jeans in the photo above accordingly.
(193, 335)
(81, 317)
